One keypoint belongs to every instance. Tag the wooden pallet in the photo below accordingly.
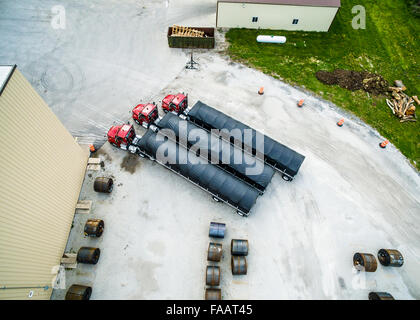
(83, 206)
(69, 260)
(94, 164)
(181, 31)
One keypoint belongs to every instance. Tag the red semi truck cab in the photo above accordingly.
(175, 102)
(145, 114)
(121, 136)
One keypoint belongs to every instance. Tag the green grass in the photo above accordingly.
(388, 46)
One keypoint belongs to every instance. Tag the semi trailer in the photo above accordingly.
(218, 151)
(222, 185)
(274, 154)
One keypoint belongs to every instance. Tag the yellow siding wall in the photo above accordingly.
(42, 171)
(276, 17)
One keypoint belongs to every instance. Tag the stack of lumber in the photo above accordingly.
(179, 31)
(402, 105)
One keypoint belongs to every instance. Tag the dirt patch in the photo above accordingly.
(130, 163)
(354, 80)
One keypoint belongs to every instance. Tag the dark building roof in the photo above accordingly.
(312, 3)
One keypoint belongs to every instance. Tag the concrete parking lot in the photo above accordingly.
(110, 54)
(349, 196)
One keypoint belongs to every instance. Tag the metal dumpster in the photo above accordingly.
(206, 42)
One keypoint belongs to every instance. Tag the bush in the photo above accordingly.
(414, 7)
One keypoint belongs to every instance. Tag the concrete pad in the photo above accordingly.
(110, 56)
(349, 196)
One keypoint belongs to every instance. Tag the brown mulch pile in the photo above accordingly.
(354, 80)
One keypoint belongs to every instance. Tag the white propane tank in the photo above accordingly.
(271, 39)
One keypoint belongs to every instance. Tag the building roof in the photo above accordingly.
(5, 73)
(312, 3)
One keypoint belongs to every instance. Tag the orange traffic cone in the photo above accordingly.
(340, 123)
(92, 148)
(261, 91)
(383, 144)
(300, 103)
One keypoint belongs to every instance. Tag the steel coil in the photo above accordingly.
(94, 227)
(78, 292)
(380, 296)
(217, 230)
(365, 262)
(390, 258)
(214, 252)
(88, 255)
(239, 265)
(213, 294)
(239, 247)
(213, 275)
(103, 184)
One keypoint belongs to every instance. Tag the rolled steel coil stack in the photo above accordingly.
(90, 255)
(239, 249)
(87, 255)
(214, 254)
(367, 262)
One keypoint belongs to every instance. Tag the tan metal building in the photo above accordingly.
(298, 15)
(42, 170)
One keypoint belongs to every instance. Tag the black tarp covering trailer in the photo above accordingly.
(277, 155)
(218, 151)
(222, 185)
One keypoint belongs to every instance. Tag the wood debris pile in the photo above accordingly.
(402, 105)
(180, 31)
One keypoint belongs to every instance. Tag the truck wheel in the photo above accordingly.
(286, 177)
